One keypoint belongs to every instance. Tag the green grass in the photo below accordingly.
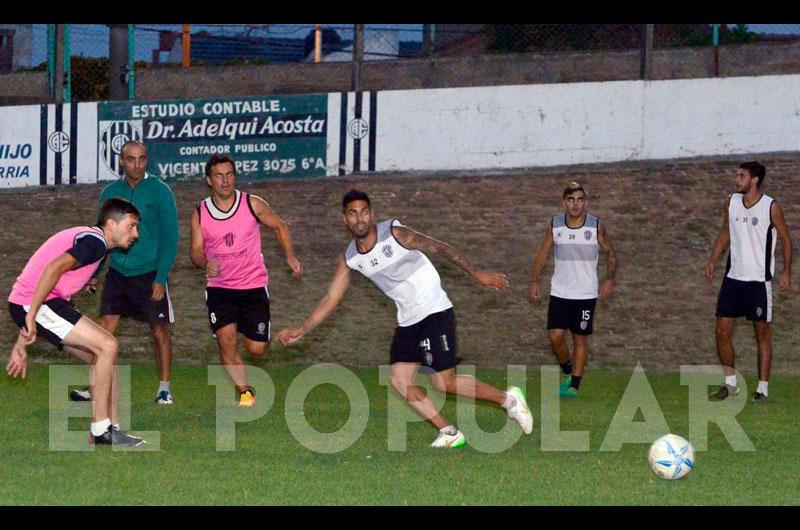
(269, 466)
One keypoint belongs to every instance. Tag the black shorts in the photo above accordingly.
(129, 296)
(574, 315)
(56, 318)
(247, 308)
(745, 299)
(430, 342)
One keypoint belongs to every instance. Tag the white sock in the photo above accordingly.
(115, 425)
(99, 427)
(510, 401)
(163, 385)
(449, 430)
(730, 380)
(762, 387)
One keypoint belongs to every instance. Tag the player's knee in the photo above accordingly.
(257, 349)
(107, 348)
(723, 330)
(400, 384)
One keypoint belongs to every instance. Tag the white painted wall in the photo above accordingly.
(504, 127)
(580, 123)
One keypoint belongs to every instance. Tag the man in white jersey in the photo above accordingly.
(226, 244)
(577, 238)
(391, 256)
(750, 220)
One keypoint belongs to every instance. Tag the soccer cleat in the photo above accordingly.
(570, 393)
(115, 436)
(80, 394)
(247, 398)
(450, 441)
(724, 392)
(758, 397)
(564, 387)
(520, 411)
(164, 398)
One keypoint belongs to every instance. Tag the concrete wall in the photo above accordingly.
(484, 70)
(24, 88)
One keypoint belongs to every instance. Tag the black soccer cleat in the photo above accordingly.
(758, 397)
(115, 436)
(81, 394)
(724, 392)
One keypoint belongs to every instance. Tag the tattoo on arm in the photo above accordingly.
(418, 241)
(611, 260)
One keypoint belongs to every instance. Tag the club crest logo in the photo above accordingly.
(759, 312)
(754, 221)
(358, 128)
(229, 239)
(113, 135)
(584, 325)
(387, 251)
(428, 358)
(587, 235)
(58, 142)
(261, 328)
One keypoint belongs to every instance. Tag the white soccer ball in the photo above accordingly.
(671, 457)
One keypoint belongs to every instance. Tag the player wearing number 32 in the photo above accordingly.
(392, 257)
(577, 238)
(226, 243)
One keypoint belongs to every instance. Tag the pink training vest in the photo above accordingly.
(70, 282)
(233, 239)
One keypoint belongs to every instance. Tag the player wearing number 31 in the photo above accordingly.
(578, 238)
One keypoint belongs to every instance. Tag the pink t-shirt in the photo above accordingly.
(233, 239)
(86, 243)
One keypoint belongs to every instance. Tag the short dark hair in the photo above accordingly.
(219, 159)
(755, 169)
(572, 187)
(115, 208)
(354, 195)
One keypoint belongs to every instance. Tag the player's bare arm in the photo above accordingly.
(611, 261)
(197, 250)
(720, 244)
(49, 278)
(538, 264)
(326, 306)
(414, 240)
(267, 216)
(777, 219)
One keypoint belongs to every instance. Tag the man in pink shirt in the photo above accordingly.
(226, 243)
(40, 304)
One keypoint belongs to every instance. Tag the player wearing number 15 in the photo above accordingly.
(226, 243)
(577, 238)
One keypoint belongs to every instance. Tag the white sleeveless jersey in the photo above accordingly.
(753, 239)
(406, 276)
(576, 251)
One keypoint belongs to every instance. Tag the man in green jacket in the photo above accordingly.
(136, 282)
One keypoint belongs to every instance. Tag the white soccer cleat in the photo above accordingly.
(450, 441)
(520, 411)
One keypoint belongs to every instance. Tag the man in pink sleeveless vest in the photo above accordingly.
(40, 304)
(226, 243)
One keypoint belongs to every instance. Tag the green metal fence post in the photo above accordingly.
(131, 63)
(715, 44)
(67, 62)
(51, 57)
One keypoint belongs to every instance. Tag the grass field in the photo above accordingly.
(269, 466)
(663, 218)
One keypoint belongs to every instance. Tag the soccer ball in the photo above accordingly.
(671, 457)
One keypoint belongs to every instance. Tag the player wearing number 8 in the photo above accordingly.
(577, 238)
(226, 243)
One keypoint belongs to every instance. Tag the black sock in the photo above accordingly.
(576, 381)
(566, 368)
